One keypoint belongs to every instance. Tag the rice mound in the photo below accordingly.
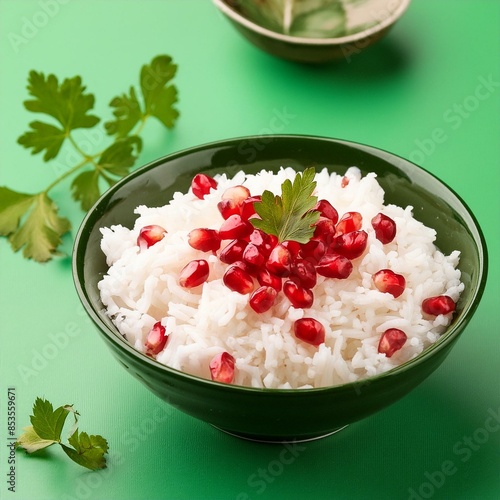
(142, 288)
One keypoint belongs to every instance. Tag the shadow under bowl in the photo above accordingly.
(272, 414)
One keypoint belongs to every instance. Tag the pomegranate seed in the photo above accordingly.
(309, 330)
(206, 240)
(325, 208)
(388, 281)
(201, 185)
(265, 278)
(233, 251)
(304, 273)
(263, 299)
(279, 261)
(385, 228)
(248, 208)
(263, 241)
(149, 235)
(253, 256)
(236, 193)
(235, 227)
(293, 247)
(350, 221)
(156, 339)
(299, 296)
(441, 304)
(222, 368)
(228, 208)
(344, 182)
(391, 341)
(194, 273)
(334, 266)
(236, 278)
(324, 230)
(313, 250)
(351, 245)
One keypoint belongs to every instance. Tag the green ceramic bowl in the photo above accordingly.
(337, 30)
(268, 414)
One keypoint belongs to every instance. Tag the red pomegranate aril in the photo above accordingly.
(253, 256)
(235, 227)
(265, 278)
(304, 273)
(263, 299)
(309, 330)
(351, 245)
(233, 251)
(228, 208)
(156, 339)
(237, 279)
(350, 221)
(334, 266)
(441, 304)
(149, 235)
(202, 184)
(248, 208)
(324, 230)
(222, 368)
(279, 261)
(326, 209)
(392, 340)
(385, 228)
(236, 193)
(293, 246)
(388, 281)
(206, 240)
(313, 250)
(300, 297)
(263, 241)
(194, 273)
(344, 182)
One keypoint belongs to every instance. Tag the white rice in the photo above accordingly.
(141, 288)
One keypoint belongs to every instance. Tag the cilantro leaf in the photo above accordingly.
(47, 422)
(40, 234)
(13, 206)
(43, 137)
(291, 215)
(85, 188)
(46, 430)
(127, 113)
(32, 442)
(87, 451)
(154, 77)
(66, 102)
(119, 157)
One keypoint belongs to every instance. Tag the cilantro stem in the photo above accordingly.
(69, 172)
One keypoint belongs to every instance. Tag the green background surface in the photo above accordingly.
(415, 94)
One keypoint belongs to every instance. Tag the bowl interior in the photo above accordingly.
(313, 22)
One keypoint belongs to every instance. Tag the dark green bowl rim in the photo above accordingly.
(95, 212)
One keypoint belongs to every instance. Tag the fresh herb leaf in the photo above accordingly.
(47, 428)
(88, 451)
(291, 215)
(41, 230)
(43, 137)
(31, 221)
(47, 422)
(127, 113)
(32, 442)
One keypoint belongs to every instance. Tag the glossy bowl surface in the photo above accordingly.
(379, 17)
(271, 414)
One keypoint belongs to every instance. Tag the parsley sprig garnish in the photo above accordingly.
(46, 428)
(291, 215)
(32, 221)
